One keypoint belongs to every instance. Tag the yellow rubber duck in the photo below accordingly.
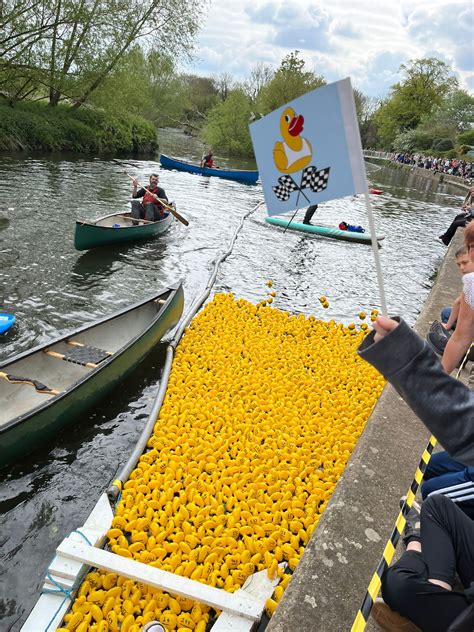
(295, 152)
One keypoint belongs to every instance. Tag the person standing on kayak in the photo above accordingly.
(310, 211)
(149, 208)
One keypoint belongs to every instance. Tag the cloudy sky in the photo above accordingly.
(364, 39)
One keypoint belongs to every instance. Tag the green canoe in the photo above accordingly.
(324, 231)
(115, 229)
(48, 387)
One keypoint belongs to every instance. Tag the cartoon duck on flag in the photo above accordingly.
(294, 154)
(319, 126)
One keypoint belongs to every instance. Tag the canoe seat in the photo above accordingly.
(86, 355)
(39, 386)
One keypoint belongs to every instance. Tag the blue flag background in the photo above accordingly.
(309, 150)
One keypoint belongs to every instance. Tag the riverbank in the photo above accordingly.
(54, 489)
(330, 582)
(436, 176)
(36, 126)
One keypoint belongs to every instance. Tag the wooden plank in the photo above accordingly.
(61, 356)
(259, 586)
(136, 219)
(80, 344)
(241, 604)
(50, 608)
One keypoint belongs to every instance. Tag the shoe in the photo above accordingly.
(389, 620)
(307, 223)
(441, 240)
(412, 527)
(437, 337)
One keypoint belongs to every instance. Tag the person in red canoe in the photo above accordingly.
(208, 161)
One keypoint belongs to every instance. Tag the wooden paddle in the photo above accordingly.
(171, 209)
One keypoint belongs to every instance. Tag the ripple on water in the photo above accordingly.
(52, 288)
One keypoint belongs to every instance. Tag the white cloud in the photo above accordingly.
(364, 39)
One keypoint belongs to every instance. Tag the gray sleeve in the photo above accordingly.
(444, 404)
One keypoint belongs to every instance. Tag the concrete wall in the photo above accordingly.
(332, 577)
(435, 176)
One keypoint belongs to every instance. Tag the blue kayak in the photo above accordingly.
(6, 321)
(324, 231)
(250, 177)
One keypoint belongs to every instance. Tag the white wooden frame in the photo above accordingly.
(241, 611)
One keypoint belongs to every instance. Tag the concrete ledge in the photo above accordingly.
(436, 176)
(332, 577)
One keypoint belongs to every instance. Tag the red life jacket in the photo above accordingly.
(150, 198)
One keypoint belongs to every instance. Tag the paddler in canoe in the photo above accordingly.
(149, 208)
(208, 161)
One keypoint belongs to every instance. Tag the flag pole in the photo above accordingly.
(297, 209)
(297, 202)
(375, 248)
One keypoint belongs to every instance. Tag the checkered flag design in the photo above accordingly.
(314, 179)
(286, 186)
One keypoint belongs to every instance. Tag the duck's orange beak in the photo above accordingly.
(296, 125)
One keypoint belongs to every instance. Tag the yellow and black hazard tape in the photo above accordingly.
(373, 589)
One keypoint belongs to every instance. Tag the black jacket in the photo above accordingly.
(444, 404)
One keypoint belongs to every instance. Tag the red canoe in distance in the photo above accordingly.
(376, 191)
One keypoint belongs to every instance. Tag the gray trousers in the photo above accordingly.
(144, 211)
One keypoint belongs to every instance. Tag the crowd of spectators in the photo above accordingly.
(452, 166)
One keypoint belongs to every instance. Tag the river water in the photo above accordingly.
(52, 288)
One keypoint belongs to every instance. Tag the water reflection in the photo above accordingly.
(52, 288)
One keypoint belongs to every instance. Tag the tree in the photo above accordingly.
(455, 113)
(223, 83)
(427, 82)
(291, 80)
(72, 46)
(365, 109)
(260, 76)
(227, 124)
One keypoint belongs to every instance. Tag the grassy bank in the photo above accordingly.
(37, 126)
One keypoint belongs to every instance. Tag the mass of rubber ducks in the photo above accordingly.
(262, 412)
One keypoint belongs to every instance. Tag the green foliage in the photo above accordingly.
(66, 49)
(227, 124)
(290, 81)
(427, 82)
(455, 112)
(405, 141)
(467, 138)
(423, 140)
(443, 144)
(38, 126)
